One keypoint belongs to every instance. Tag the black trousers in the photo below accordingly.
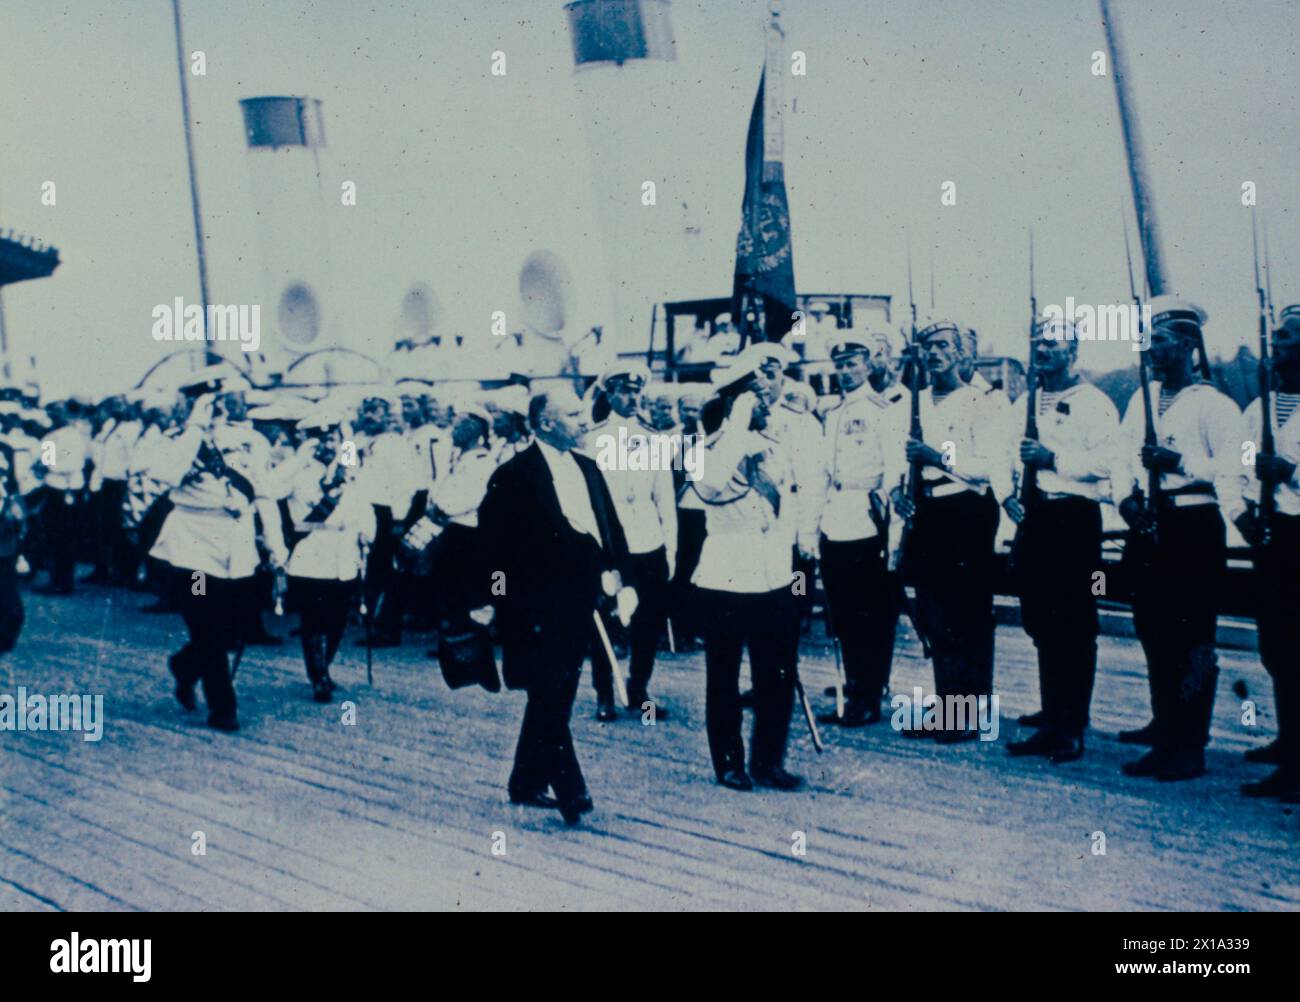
(113, 551)
(1176, 584)
(863, 601)
(384, 598)
(544, 755)
(461, 581)
(767, 623)
(1277, 614)
(215, 622)
(950, 562)
(324, 604)
(61, 518)
(648, 574)
(11, 605)
(691, 531)
(1058, 552)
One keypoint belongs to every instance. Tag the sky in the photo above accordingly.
(460, 174)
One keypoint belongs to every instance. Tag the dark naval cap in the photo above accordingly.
(1177, 315)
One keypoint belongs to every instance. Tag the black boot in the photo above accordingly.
(315, 655)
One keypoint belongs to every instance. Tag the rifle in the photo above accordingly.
(912, 484)
(1267, 499)
(1029, 480)
(1149, 434)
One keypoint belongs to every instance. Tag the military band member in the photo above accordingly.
(328, 524)
(646, 505)
(1177, 554)
(949, 558)
(755, 518)
(209, 541)
(1057, 549)
(859, 432)
(1277, 561)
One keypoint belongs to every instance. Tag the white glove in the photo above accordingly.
(625, 603)
(483, 615)
(610, 582)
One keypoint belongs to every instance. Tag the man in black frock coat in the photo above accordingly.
(553, 546)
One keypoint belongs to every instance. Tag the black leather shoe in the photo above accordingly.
(1180, 766)
(855, 715)
(1142, 736)
(1032, 719)
(1068, 749)
(185, 696)
(778, 779)
(572, 813)
(1147, 765)
(380, 641)
(736, 779)
(542, 800)
(605, 711)
(1041, 743)
(321, 691)
(585, 805)
(263, 639)
(1280, 783)
(1269, 754)
(228, 724)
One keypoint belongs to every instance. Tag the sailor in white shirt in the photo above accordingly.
(1277, 558)
(860, 430)
(627, 452)
(1057, 549)
(1177, 551)
(209, 539)
(966, 467)
(329, 523)
(755, 517)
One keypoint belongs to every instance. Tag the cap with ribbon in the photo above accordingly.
(1173, 313)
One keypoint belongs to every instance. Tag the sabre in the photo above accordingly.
(365, 613)
(615, 669)
(808, 713)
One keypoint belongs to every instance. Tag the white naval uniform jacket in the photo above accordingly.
(972, 426)
(112, 452)
(749, 548)
(1081, 427)
(1203, 425)
(860, 431)
(1286, 439)
(211, 527)
(331, 550)
(644, 499)
(71, 450)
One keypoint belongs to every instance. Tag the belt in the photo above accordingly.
(943, 488)
(1195, 496)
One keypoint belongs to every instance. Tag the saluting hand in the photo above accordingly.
(1158, 459)
(1034, 453)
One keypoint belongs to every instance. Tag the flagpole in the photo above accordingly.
(209, 355)
(1143, 196)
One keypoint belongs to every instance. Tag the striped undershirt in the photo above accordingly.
(1284, 406)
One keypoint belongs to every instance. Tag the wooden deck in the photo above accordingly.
(402, 809)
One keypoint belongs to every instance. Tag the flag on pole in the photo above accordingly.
(764, 257)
